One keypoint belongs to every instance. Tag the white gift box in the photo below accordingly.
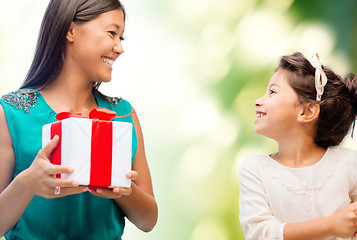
(99, 151)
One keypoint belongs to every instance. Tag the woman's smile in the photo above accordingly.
(108, 61)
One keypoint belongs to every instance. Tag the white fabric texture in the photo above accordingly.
(271, 195)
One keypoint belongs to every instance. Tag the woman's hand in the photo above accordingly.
(117, 191)
(41, 175)
(344, 222)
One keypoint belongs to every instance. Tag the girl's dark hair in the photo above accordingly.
(48, 59)
(338, 105)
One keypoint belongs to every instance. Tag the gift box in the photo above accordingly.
(99, 150)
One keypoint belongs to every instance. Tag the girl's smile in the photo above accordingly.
(277, 110)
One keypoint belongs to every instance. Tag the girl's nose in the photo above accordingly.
(258, 102)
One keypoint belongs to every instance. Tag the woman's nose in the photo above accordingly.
(118, 48)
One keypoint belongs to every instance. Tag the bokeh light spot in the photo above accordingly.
(210, 229)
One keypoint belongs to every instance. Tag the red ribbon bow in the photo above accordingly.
(101, 144)
(95, 113)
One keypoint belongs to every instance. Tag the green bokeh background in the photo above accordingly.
(192, 69)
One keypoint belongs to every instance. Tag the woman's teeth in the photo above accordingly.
(108, 61)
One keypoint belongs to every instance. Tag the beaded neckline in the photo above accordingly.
(114, 100)
(24, 99)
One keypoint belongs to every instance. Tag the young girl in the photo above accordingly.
(78, 42)
(306, 190)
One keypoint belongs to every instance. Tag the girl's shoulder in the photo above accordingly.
(346, 154)
(345, 150)
(254, 163)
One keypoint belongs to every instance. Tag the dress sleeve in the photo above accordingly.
(255, 215)
(353, 174)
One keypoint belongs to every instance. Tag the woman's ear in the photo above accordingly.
(309, 112)
(70, 33)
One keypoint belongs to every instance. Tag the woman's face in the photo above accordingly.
(93, 46)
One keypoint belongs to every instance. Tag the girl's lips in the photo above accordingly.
(260, 114)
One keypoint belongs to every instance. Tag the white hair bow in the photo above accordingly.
(320, 76)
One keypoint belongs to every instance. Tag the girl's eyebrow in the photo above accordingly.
(273, 85)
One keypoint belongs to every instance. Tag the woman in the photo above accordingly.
(78, 42)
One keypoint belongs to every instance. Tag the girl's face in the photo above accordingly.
(278, 109)
(95, 45)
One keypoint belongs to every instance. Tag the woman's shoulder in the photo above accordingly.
(22, 99)
(118, 104)
(115, 100)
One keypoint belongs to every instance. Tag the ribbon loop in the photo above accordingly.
(320, 76)
(63, 115)
(95, 113)
(102, 114)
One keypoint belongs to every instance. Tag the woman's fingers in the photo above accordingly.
(122, 191)
(65, 191)
(117, 191)
(51, 145)
(111, 193)
(57, 182)
(55, 187)
(132, 175)
(105, 193)
(58, 169)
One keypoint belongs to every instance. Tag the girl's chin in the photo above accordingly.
(259, 132)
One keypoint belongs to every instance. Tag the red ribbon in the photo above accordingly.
(101, 144)
(96, 113)
(56, 129)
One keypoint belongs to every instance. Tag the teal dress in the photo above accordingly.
(79, 216)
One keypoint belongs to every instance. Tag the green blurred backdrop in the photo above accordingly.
(192, 69)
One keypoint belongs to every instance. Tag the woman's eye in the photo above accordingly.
(113, 33)
(121, 38)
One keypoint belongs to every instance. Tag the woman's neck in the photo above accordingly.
(68, 94)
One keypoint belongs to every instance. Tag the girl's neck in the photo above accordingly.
(297, 154)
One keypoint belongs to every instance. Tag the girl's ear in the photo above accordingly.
(309, 112)
(70, 33)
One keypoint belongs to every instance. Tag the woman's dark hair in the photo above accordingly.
(338, 105)
(48, 59)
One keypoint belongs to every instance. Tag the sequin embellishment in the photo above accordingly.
(21, 99)
(114, 100)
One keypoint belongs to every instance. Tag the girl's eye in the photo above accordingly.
(271, 92)
(121, 38)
